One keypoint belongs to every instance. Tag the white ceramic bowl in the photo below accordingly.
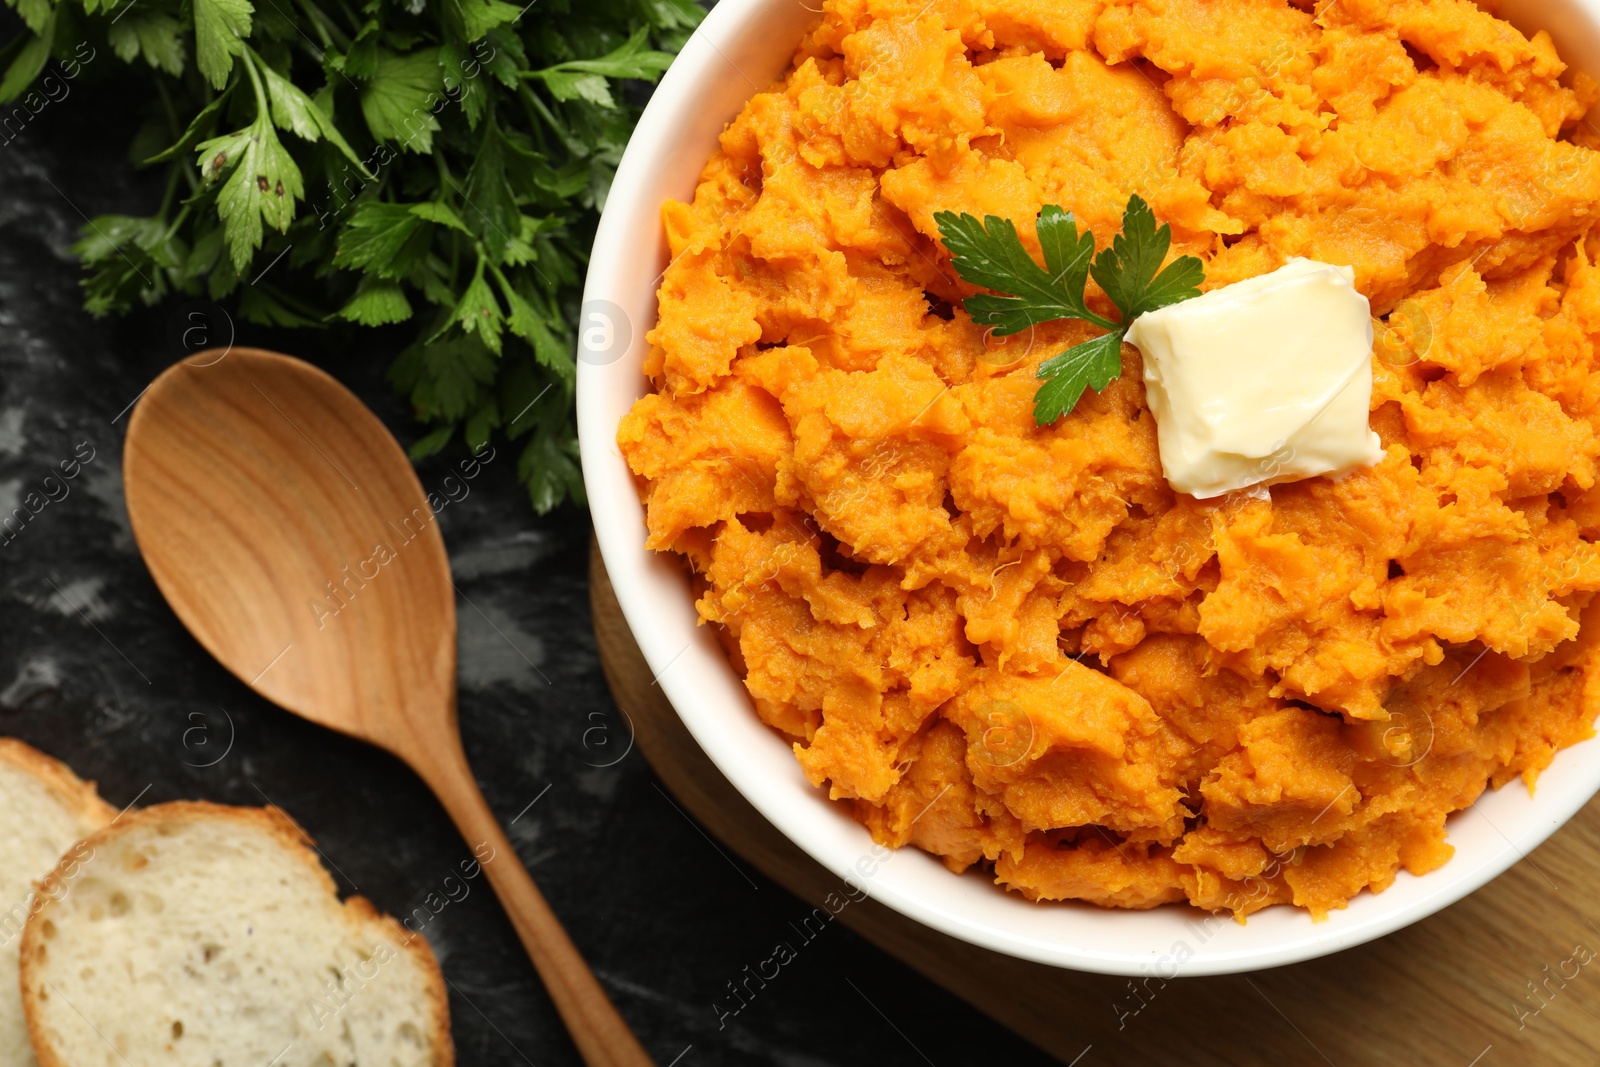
(739, 50)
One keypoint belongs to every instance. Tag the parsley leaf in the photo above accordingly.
(361, 61)
(443, 378)
(1179, 282)
(258, 180)
(400, 99)
(258, 183)
(478, 17)
(1127, 270)
(528, 323)
(508, 58)
(478, 311)
(491, 202)
(1093, 364)
(29, 61)
(991, 255)
(585, 79)
(549, 465)
(441, 213)
(376, 236)
(377, 303)
(220, 27)
(267, 306)
(155, 36)
(294, 110)
(36, 14)
(129, 254)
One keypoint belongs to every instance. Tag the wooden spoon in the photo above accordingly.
(290, 534)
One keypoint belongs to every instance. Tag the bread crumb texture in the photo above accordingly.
(1016, 647)
(196, 934)
(44, 810)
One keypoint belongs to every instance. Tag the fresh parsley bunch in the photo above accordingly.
(989, 254)
(437, 163)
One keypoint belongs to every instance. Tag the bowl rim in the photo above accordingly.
(645, 582)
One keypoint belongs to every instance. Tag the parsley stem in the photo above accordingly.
(445, 181)
(179, 220)
(500, 277)
(176, 166)
(549, 117)
(525, 95)
(172, 190)
(248, 57)
(455, 238)
(300, 307)
(317, 16)
(355, 20)
(173, 124)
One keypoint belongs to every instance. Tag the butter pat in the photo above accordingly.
(1265, 381)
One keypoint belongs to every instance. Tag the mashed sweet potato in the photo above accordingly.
(1017, 647)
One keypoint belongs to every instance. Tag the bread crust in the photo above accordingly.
(77, 795)
(359, 911)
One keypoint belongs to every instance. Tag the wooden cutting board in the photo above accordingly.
(1511, 975)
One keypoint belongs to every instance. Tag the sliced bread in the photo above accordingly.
(198, 934)
(45, 810)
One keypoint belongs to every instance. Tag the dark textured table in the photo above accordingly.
(96, 670)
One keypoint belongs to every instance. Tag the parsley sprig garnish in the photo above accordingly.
(989, 254)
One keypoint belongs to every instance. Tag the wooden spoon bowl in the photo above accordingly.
(289, 532)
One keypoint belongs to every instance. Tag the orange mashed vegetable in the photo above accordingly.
(1017, 647)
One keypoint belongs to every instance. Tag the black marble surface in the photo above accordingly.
(96, 670)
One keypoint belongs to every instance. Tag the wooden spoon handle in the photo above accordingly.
(601, 1034)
